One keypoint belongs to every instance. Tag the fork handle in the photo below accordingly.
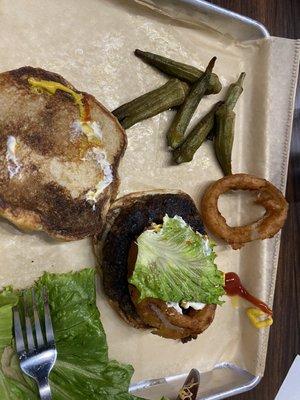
(44, 388)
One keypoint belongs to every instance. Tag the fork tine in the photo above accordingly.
(37, 324)
(48, 322)
(29, 334)
(20, 346)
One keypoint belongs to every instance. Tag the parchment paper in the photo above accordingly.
(91, 44)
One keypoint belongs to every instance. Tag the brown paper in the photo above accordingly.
(91, 44)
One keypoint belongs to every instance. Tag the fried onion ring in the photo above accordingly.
(168, 322)
(268, 196)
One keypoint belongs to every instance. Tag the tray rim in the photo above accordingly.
(251, 383)
(205, 5)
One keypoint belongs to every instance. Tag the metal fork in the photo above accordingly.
(39, 356)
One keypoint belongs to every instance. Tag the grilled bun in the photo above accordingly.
(49, 167)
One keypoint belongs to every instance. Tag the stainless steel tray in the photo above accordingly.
(238, 26)
(221, 382)
(226, 379)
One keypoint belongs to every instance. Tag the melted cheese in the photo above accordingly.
(88, 128)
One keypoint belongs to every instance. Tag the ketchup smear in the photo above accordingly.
(234, 287)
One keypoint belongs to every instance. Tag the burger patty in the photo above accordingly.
(127, 219)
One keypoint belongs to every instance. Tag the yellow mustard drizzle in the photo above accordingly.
(255, 314)
(51, 87)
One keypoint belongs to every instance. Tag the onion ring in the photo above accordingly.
(168, 322)
(268, 196)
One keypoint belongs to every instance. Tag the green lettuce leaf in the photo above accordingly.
(82, 370)
(175, 263)
(7, 300)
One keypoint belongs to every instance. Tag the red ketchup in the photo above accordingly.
(233, 287)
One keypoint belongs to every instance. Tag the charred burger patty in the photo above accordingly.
(128, 218)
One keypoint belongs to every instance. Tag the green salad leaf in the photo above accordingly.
(7, 300)
(82, 370)
(175, 263)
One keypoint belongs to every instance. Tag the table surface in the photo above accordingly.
(281, 18)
